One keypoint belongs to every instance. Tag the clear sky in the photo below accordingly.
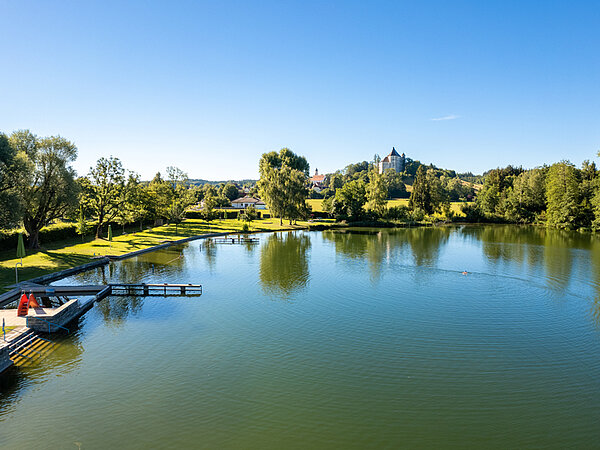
(210, 86)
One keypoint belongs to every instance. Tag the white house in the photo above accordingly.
(244, 202)
(318, 182)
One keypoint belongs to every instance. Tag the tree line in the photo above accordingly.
(39, 186)
(560, 195)
(359, 191)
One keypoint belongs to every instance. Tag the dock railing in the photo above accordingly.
(165, 289)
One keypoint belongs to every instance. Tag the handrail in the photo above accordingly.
(49, 323)
(16, 272)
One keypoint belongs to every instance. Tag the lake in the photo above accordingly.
(335, 339)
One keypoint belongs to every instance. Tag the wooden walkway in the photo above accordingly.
(161, 290)
(62, 293)
(236, 240)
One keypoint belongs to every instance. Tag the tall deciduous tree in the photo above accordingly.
(395, 184)
(230, 191)
(427, 193)
(562, 195)
(376, 192)
(527, 196)
(15, 166)
(51, 190)
(106, 193)
(181, 195)
(349, 200)
(282, 183)
(587, 189)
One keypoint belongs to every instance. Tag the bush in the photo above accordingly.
(249, 214)
(203, 215)
(319, 215)
(9, 239)
(49, 234)
(194, 215)
(224, 214)
(472, 213)
(417, 215)
(398, 213)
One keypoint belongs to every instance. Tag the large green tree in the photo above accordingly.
(588, 184)
(282, 184)
(492, 199)
(526, 199)
(562, 195)
(427, 193)
(15, 167)
(50, 191)
(349, 200)
(230, 191)
(181, 195)
(596, 202)
(395, 184)
(376, 192)
(106, 193)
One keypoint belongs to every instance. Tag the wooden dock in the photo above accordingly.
(61, 294)
(160, 290)
(236, 240)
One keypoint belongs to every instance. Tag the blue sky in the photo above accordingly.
(210, 86)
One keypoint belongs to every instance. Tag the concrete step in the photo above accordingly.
(34, 350)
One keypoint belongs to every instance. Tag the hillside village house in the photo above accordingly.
(318, 182)
(245, 202)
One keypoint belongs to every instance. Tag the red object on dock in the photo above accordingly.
(32, 301)
(23, 307)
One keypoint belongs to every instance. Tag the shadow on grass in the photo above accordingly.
(62, 255)
(53, 261)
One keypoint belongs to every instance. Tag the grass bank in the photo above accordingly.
(317, 205)
(62, 255)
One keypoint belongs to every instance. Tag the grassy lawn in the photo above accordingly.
(315, 204)
(65, 254)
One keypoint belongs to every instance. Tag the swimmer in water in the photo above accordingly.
(465, 272)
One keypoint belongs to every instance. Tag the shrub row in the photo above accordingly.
(221, 214)
(56, 232)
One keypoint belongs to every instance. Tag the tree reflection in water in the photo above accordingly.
(209, 248)
(377, 246)
(284, 263)
(595, 268)
(360, 244)
(425, 243)
(542, 252)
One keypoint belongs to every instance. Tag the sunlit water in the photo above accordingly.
(331, 340)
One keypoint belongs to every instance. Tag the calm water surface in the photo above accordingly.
(331, 340)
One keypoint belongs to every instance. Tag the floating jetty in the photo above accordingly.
(47, 293)
(157, 290)
(236, 240)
